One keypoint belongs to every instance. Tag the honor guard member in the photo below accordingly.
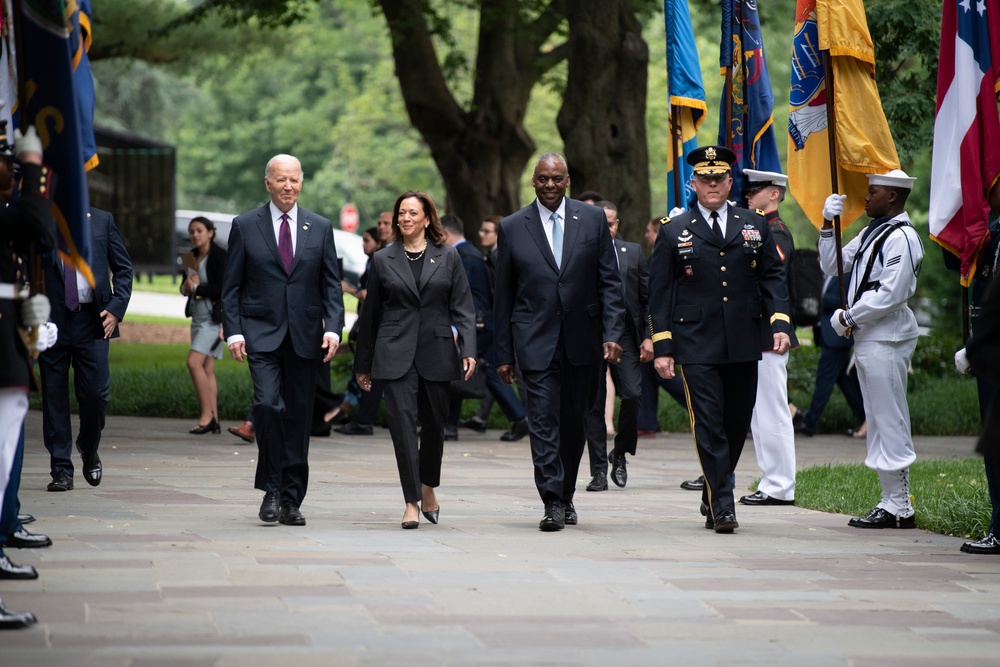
(885, 260)
(771, 425)
(715, 274)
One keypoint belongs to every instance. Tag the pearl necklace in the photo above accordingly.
(419, 255)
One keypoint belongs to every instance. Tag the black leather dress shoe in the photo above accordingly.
(599, 483)
(761, 498)
(9, 570)
(555, 517)
(61, 482)
(22, 539)
(570, 515)
(354, 428)
(431, 515)
(15, 620)
(290, 515)
(879, 518)
(475, 424)
(799, 425)
(619, 474)
(25, 518)
(726, 522)
(694, 484)
(703, 509)
(518, 430)
(988, 545)
(269, 507)
(92, 469)
(451, 433)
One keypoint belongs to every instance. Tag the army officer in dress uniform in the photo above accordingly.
(714, 273)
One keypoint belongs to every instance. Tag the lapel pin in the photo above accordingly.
(305, 227)
(432, 260)
(624, 249)
(575, 218)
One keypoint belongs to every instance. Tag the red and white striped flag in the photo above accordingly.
(966, 157)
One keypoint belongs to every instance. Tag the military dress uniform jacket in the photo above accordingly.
(707, 297)
(786, 248)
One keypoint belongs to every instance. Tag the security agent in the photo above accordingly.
(715, 273)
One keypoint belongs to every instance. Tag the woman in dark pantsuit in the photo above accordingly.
(417, 333)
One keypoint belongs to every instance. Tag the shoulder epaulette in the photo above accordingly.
(664, 220)
(759, 212)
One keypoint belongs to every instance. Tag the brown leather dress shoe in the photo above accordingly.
(244, 431)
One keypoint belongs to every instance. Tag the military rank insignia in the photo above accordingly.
(688, 271)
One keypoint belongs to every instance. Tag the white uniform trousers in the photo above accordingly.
(882, 372)
(771, 425)
(13, 408)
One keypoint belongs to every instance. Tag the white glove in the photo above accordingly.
(962, 364)
(841, 329)
(675, 211)
(35, 310)
(47, 335)
(28, 142)
(833, 206)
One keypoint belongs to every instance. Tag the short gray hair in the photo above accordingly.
(283, 157)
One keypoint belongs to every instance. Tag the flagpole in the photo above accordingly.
(677, 146)
(831, 133)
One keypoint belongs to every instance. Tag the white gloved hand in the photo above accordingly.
(35, 310)
(675, 211)
(27, 142)
(48, 333)
(962, 364)
(833, 206)
(841, 329)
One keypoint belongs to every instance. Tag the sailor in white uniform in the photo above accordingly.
(885, 260)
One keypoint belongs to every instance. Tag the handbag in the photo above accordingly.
(474, 387)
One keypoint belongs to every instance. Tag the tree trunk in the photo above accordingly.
(481, 152)
(603, 117)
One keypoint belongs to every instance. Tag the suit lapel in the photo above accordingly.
(266, 227)
(533, 223)
(734, 225)
(401, 266)
(571, 229)
(623, 266)
(432, 260)
(700, 227)
(303, 226)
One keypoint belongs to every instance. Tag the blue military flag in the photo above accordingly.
(751, 127)
(83, 79)
(52, 106)
(686, 94)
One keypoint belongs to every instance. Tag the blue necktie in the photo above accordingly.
(69, 281)
(557, 236)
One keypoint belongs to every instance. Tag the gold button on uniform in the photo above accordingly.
(725, 298)
(725, 284)
(722, 269)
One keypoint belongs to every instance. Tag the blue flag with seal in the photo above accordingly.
(686, 95)
(750, 127)
(83, 79)
(52, 106)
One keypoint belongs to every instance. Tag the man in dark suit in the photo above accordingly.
(558, 312)
(714, 273)
(87, 318)
(282, 309)
(482, 298)
(637, 347)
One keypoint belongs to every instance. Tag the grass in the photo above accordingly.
(950, 496)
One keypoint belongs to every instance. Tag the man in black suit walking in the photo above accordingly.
(637, 347)
(282, 309)
(87, 318)
(558, 311)
(714, 273)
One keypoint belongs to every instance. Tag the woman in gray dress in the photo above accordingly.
(203, 287)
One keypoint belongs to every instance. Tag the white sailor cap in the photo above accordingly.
(754, 178)
(896, 178)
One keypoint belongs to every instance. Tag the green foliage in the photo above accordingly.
(950, 496)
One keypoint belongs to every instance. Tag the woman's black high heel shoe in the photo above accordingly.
(210, 427)
(432, 515)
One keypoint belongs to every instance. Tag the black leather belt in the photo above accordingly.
(83, 307)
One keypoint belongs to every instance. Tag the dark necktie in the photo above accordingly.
(69, 281)
(285, 243)
(715, 226)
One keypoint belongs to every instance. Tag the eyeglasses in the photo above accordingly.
(487, 231)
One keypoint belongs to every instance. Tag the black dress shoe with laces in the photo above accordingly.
(761, 498)
(694, 484)
(476, 424)
(518, 430)
(599, 483)
(269, 507)
(725, 522)
(290, 515)
(879, 518)
(15, 620)
(9, 570)
(354, 428)
(61, 482)
(92, 469)
(988, 545)
(22, 539)
(555, 517)
(570, 515)
(619, 474)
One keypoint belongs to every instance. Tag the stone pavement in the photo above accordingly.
(166, 564)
